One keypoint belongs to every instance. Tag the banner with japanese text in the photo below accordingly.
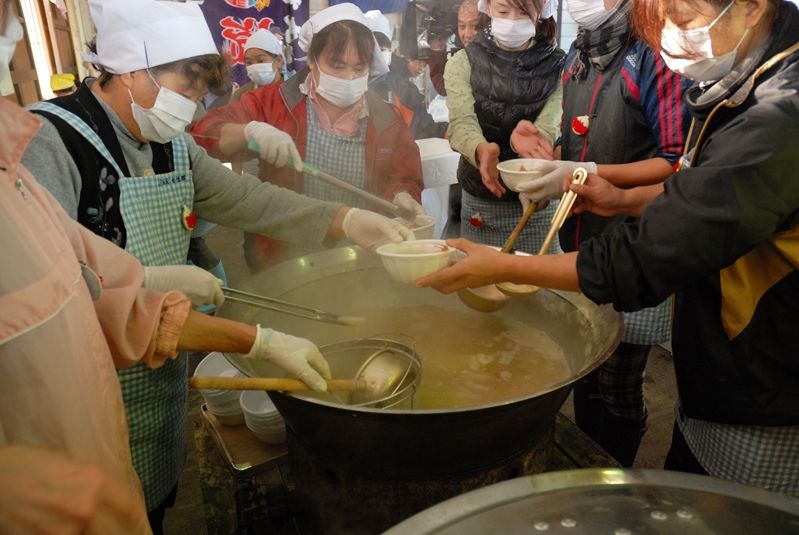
(233, 21)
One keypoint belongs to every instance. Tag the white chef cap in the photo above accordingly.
(264, 40)
(337, 13)
(134, 34)
(379, 23)
(549, 9)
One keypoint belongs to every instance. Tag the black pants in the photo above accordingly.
(156, 516)
(680, 457)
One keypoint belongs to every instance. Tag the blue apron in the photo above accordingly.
(155, 400)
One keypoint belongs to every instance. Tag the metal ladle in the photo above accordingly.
(495, 296)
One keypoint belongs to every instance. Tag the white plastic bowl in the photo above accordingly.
(228, 413)
(423, 227)
(216, 365)
(262, 417)
(511, 174)
(409, 261)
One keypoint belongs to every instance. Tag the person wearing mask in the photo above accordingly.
(288, 52)
(397, 90)
(75, 307)
(622, 118)
(115, 156)
(263, 57)
(719, 233)
(264, 60)
(327, 117)
(509, 73)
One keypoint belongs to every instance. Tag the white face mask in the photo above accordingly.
(340, 92)
(167, 119)
(8, 43)
(261, 73)
(590, 14)
(512, 33)
(704, 67)
(387, 56)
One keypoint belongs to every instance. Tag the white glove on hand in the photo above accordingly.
(404, 200)
(549, 186)
(298, 356)
(198, 285)
(371, 230)
(275, 144)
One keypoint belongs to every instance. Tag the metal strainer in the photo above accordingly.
(390, 370)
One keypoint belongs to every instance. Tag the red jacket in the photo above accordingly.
(392, 157)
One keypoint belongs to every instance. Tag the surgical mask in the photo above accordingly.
(167, 119)
(590, 14)
(8, 43)
(387, 56)
(261, 73)
(704, 67)
(512, 33)
(341, 92)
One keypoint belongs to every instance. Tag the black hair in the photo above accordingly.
(382, 40)
(331, 42)
(212, 69)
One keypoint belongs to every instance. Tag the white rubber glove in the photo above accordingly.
(549, 186)
(404, 200)
(275, 144)
(198, 285)
(371, 230)
(298, 356)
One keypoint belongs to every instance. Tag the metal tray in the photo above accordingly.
(243, 453)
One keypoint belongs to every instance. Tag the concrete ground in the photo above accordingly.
(188, 515)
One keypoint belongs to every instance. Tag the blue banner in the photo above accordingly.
(385, 6)
(233, 21)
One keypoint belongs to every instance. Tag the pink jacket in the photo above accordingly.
(58, 347)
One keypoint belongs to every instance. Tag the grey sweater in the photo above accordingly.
(220, 195)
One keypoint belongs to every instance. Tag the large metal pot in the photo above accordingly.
(612, 501)
(427, 443)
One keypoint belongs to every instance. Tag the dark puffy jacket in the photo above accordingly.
(724, 236)
(507, 87)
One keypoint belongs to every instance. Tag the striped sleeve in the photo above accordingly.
(659, 92)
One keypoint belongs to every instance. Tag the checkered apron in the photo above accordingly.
(500, 218)
(343, 157)
(155, 400)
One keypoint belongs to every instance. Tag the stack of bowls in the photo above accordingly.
(262, 417)
(223, 404)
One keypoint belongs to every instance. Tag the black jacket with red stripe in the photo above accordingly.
(634, 112)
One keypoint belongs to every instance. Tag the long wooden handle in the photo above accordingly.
(254, 383)
(519, 228)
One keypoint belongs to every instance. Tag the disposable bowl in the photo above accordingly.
(423, 227)
(409, 261)
(511, 174)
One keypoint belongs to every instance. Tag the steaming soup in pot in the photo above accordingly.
(468, 358)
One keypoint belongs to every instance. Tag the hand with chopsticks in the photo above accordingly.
(600, 197)
(298, 356)
(200, 286)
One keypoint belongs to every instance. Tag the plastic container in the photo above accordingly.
(411, 260)
(423, 227)
(217, 365)
(228, 413)
(262, 417)
(512, 176)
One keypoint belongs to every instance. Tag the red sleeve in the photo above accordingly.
(405, 170)
(437, 62)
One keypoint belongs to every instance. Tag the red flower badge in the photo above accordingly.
(476, 220)
(189, 218)
(580, 125)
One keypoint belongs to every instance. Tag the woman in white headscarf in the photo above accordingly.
(325, 116)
